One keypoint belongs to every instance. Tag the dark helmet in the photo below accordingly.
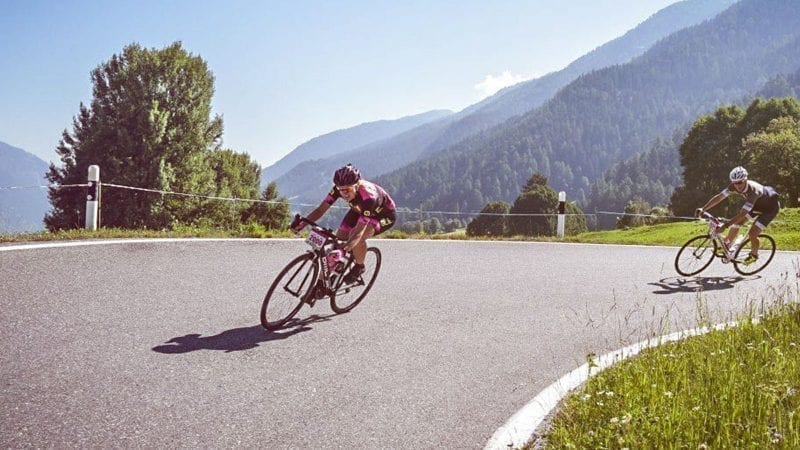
(346, 176)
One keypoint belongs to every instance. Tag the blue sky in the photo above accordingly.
(288, 71)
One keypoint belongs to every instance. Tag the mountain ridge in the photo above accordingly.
(303, 182)
(22, 210)
(610, 114)
(343, 140)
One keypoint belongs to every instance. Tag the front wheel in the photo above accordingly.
(766, 252)
(285, 297)
(346, 296)
(695, 255)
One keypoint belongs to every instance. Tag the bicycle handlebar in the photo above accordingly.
(298, 219)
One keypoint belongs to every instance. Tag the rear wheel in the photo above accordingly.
(695, 255)
(766, 252)
(346, 296)
(285, 297)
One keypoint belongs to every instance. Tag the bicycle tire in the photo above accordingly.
(700, 250)
(341, 298)
(767, 244)
(304, 271)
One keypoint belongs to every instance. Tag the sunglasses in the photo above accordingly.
(739, 183)
(351, 188)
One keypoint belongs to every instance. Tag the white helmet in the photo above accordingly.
(738, 173)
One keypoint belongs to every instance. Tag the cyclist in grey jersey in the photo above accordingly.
(760, 202)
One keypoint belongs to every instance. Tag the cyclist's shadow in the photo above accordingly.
(237, 339)
(674, 285)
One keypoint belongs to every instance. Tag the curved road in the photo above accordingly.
(158, 344)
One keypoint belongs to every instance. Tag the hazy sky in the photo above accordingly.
(287, 71)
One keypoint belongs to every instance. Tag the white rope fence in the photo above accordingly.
(94, 184)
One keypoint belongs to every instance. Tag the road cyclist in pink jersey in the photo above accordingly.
(761, 203)
(372, 212)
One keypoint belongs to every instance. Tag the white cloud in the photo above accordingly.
(491, 84)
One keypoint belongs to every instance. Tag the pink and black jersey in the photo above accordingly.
(372, 204)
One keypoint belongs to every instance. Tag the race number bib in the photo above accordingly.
(315, 240)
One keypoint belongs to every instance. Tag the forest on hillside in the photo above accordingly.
(610, 115)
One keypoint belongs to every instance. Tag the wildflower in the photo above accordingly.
(702, 446)
(614, 420)
(669, 394)
(696, 408)
(775, 436)
(626, 419)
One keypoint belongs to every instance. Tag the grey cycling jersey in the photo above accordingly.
(752, 192)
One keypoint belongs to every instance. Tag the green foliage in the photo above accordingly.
(732, 137)
(575, 221)
(149, 125)
(491, 221)
(639, 213)
(272, 212)
(536, 208)
(775, 155)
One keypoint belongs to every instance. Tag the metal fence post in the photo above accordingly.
(93, 198)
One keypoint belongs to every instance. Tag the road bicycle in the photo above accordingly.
(698, 252)
(316, 274)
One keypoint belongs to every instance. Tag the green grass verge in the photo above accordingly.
(785, 229)
(735, 388)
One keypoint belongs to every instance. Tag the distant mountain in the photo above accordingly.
(341, 141)
(21, 209)
(307, 181)
(609, 115)
(526, 96)
(304, 181)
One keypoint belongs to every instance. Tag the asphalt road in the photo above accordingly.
(159, 344)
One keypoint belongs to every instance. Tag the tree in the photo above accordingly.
(148, 126)
(707, 155)
(639, 212)
(491, 221)
(235, 176)
(432, 225)
(536, 207)
(776, 158)
(272, 212)
(720, 142)
(575, 222)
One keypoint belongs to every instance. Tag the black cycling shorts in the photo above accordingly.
(765, 209)
(385, 220)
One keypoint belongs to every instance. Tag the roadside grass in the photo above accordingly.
(245, 231)
(785, 229)
(733, 388)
